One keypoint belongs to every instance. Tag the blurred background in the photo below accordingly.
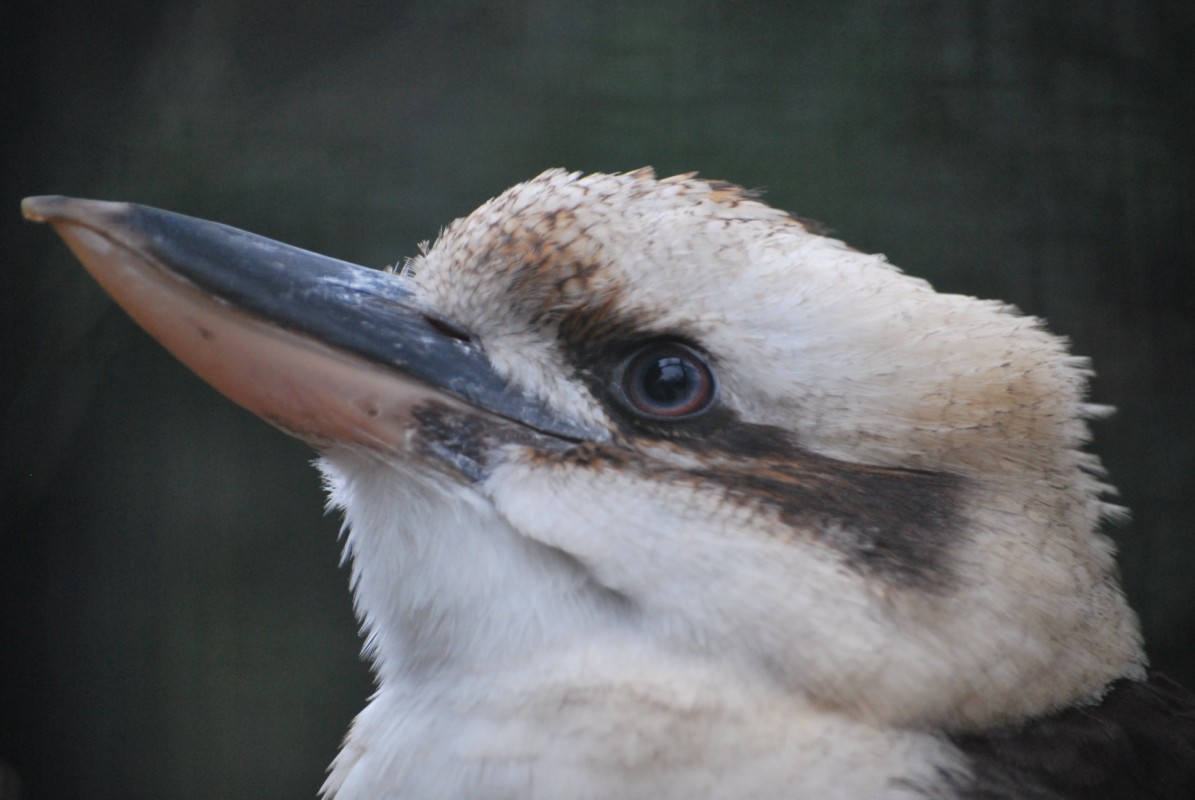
(175, 622)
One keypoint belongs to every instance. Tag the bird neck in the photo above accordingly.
(620, 718)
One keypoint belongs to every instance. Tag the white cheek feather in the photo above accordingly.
(441, 581)
(743, 587)
(500, 676)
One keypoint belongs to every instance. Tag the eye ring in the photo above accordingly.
(668, 381)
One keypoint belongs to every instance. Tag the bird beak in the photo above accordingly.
(327, 351)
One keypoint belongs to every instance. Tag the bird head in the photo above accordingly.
(610, 418)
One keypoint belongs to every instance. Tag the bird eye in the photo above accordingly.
(667, 380)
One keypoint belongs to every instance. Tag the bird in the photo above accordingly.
(652, 490)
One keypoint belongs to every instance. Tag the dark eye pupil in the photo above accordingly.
(667, 379)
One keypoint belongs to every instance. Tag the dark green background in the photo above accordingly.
(174, 622)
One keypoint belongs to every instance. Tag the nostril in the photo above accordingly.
(448, 328)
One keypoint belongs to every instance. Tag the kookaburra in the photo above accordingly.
(653, 491)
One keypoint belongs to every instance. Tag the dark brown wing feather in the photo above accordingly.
(1137, 744)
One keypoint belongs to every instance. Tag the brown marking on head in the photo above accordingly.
(551, 264)
(899, 525)
(891, 522)
(542, 249)
(816, 227)
(729, 194)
